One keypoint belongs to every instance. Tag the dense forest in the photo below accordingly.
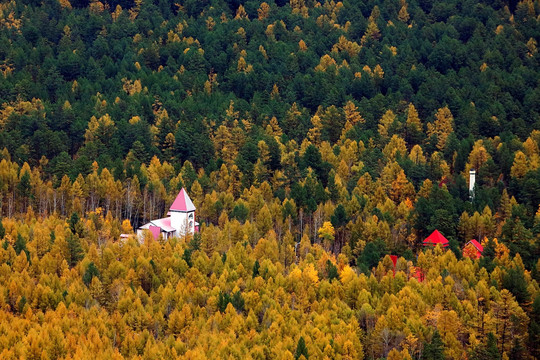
(315, 138)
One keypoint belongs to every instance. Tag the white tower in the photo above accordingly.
(182, 213)
(472, 180)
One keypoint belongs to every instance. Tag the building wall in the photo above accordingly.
(184, 223)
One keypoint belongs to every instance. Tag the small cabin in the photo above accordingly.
(436, 238)
(473, 249)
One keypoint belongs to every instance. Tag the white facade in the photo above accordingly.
(472, 181)
(183, 222)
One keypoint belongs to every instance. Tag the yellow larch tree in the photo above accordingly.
(385, 123)
(395, 146)
(263, 11)
(520, 165)
(442, 127)
(417, 155)
(413, 121)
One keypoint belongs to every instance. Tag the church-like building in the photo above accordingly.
(180, 220)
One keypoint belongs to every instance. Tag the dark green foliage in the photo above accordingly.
(301, 349)
(240, 212)
(75, 250)
(313, 159)
(434, 350)
(534, 328)
(454, 246)
(487, 351)
(256, 268)
(24, 187)
(492, 351)
(193, 144)
(517, 351)
(370, 256)
(21, 304)
(89, 273)
(20, 245)
(237, 300)
(187, 257)
(488, 255)
(2, 230)
(514, 281)
(436, 212)
(331, 271)
(223, 300)
(73, 222)
(195, 242)
(339, 218)
(61, 165)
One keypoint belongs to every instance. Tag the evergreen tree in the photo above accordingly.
(75, 250)
(20, 245)
(238, 301)
(486, 261)
(331, 270)
(492, 352)
(434, 350)
(514, 281)
(517, 350)
(24, 187)
(301, 349)
(256, 267)
(534, 328)
(73, 221)
(223, 300)
(487, 351)
(89, 273)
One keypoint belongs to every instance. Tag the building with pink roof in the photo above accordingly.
(180, 220)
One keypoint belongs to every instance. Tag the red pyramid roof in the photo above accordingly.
(436, 238)
(182, 202)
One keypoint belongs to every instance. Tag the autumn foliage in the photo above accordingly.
(315, 138)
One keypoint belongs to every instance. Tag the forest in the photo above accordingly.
(316, 138)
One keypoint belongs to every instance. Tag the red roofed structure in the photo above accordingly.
(469, 246)
(436, 238)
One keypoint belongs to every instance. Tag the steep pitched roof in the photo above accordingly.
(477, 245)
(436, 238)
(182, 202)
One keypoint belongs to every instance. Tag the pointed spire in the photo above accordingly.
(182, 202)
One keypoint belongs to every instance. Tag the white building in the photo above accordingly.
(180, 220)
(472, 182)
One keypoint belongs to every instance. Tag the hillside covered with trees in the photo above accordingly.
(314, 137)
